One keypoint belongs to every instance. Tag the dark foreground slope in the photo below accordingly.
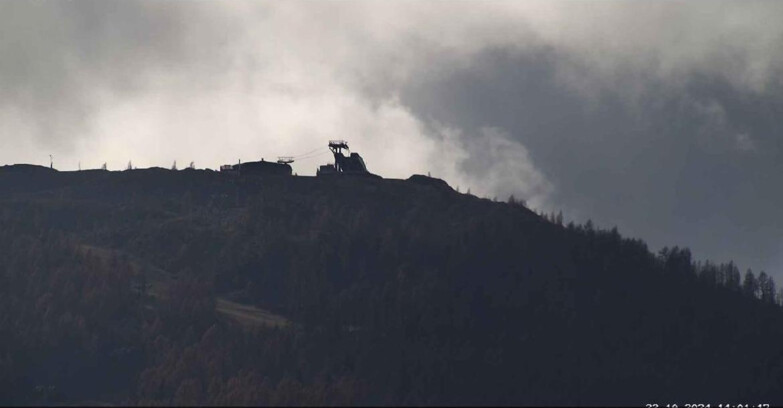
(154, 286)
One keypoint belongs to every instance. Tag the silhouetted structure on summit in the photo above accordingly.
(352, 164)
(257, 168)
(343, 164)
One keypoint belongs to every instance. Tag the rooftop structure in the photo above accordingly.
(257, 168)
(285, 160)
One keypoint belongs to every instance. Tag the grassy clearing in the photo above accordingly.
(249, 315)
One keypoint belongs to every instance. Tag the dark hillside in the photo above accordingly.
(194, 287)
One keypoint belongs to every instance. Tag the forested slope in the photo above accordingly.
(192, 287)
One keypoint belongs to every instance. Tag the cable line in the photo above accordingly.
(312, 156)
(312, 151)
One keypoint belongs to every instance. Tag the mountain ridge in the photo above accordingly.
(398, 292)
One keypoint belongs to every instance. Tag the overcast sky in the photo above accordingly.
(662, 118)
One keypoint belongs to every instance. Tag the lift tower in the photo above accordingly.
(346, 164)
(337, 146)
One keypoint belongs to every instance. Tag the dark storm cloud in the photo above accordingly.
(699, 167)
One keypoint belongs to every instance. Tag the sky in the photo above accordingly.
(661, 118)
